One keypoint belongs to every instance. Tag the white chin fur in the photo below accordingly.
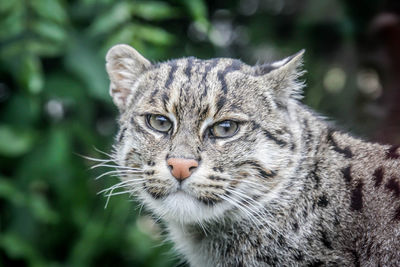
(182, 208)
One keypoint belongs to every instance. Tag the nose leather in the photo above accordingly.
(182, 168)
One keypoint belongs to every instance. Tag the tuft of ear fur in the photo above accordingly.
(124, 65)
(283, 76)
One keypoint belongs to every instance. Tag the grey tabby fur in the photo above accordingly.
(286, 190)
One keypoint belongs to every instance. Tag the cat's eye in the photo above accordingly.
(224, 129)
(159, 122)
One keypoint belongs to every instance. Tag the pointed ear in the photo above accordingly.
(124, 65)
(282, 76)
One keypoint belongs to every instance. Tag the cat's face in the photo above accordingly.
(208, 136)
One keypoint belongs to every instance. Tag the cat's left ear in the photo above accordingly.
(282, 76)
(124, 66)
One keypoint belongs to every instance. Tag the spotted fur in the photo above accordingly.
(286, 190)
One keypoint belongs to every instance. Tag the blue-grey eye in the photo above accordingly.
(224, 129)
(159, 122)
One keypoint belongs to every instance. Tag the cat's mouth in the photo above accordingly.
(187, 202)
(184, 194)
(185, 207)
(180, 191)
(162, 194)
(203, 198)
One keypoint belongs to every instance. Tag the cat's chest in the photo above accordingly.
(238, 245)
(241, 245)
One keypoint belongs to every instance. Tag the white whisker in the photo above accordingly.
(102, 152)
(96, 159)
(250, 212)
(113, 166)
(119, 193)
(121, 172)
(122, 184)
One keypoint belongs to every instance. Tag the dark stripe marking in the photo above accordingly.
(305, 214)
(209, 201)
(165, 99)
(149, 172)
(298, 256)
(324, 239)
(308, 136)
(121, 135)
(153, 94)
(357, 197)
(207, 69)
(235, 65)
(189, 66)
(215, 186)
(278, 141)
(347, 174)
(346, 151)
(139, 129)
(171, 73)
(218, 169)
(153, 191)
(378, 176)
(323, 201)
(315, 176)
(396, 216)
(356, 259)
(393, 185)
(220, 103)
(203, 114)
(216, 178)
(295, 226)
(263, 172)
(281, 241)
(316, 263)
(391, 152)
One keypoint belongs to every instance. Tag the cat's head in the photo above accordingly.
(206, 136)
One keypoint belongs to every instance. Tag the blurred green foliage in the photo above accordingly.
(55, 106)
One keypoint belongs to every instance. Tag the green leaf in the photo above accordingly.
(9, 192)
(31, 76)
(49, 30)
(153, 34)
(197, 9)
(50, 9)
(12, 23)
(124, 35)
(36, 203)
(154, 10)
(15, 142)
(57, 148)
(110, 19)
(65, 88)
(82, 60)
(16, 247)
(45, 47)
(7, 6)
(41, 209)
(21, 111)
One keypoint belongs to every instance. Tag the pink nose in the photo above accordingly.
(182, 168)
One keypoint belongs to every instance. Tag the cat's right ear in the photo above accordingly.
(124, 64)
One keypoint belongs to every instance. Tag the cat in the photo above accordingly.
(242, 173)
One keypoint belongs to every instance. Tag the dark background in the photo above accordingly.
(54, 103)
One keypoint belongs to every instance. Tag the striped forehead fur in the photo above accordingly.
(209, 79)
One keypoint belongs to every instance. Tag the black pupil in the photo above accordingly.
(162, 121)
(225, 125)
